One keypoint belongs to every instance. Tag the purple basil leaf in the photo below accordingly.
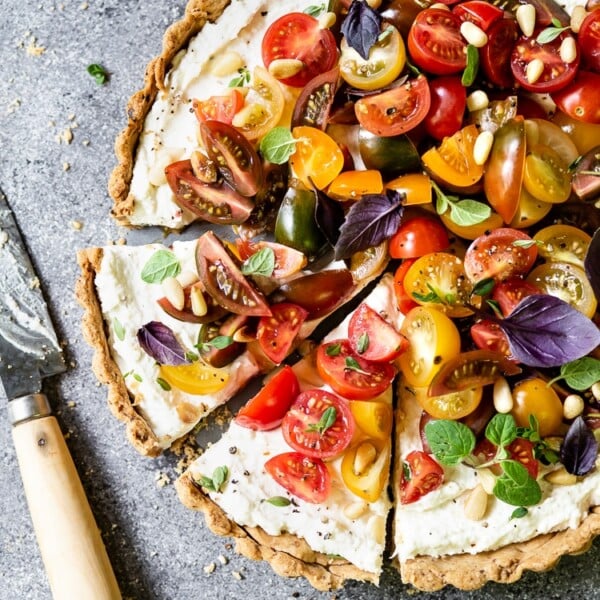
(329, 215)
(159, 342)
(373, 219)
(361, 27)
(579, 448)
(545, 331)
(591, 263)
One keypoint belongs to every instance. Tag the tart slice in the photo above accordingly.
(310, 496)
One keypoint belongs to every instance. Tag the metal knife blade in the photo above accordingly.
(29, 349)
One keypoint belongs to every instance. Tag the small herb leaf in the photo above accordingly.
(278, 145)
(579, 449)
(515, 486)
(162, 264)
(325, 422)
(280, 501)
(469, 212)
(519, 513)
(314, 10)
(450, 441)
(216, 482)
(333, 349)
(550, 33)
(470, 72)
(363, 343)
(260, 263)
(484, 287)
(241, 79)
(361, 27)
(159, 342)
(501, 430)
(580, 374)
(118, 329)
(98, 73)
(164, 384)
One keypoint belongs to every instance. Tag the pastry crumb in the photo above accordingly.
(210, 568)
(222, 559)
(237, 575)
(34, 283)
(13, 106)
(77, 225)
(71, 404)
(84, 6)
(66, 166)
(162, 479)
(32, 49)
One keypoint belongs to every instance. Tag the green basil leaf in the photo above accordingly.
(279, 501)
(207, 483)
(470, 72)
(581, 374)
(325, 422)
(484, 287)
(469, 212)
(515, 486)
(333, 349)
(119, 329)
(162, 264)
(550, 33)
(314, 10)
(519, 513)
(450, 441)
(219, 477)
(260, 263)
(526, 243)
(165, 385)
(501, 430)
(363, 343)
(241, 79)
(98, 73)
(191, 356)
(278, 145)
(353, 364)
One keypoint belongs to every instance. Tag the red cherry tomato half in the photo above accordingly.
(418, 236)
(483, 14)
(520, 450)
(556, 74)
(510, 292)
(421, 474)
(404, 300)
(304, 477)
(306, 427)
(435, 43)
(495, 255)
(219, 108)
(298, 35)
(581, 98)
(350, 375)
(276, 333)
(372, 337)
(395, 111)
(495, 55)
(266, 410)
(588, 38)
(448, 102)
(488, 335)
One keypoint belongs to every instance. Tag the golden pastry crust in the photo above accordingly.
(197, 14)
(288, 555)
(104, 367)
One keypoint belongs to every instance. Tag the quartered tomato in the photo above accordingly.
(448, 103)
(318, 424)
(433, 338)
(219, 108)
(488, 335)
(563, 243)
(304, 477)
(421, 474)
(370, 262)
(277, 332)
(546, 175)
(365, 468)
(588, 38)
(483, 14)
(372, 337)
(385, 62)
(454, 405)
(581, 98)
(314, 102)
(404, 300)
(416, 188)
(299, 36)
(435, 43)
(556, 74)
(417, 236)
(196, 378)
(534, 397)
(395, 111)
(510, 292)
(287, 260)
(266, 410)
(495, 56)
(349, 375)
(495, 255)
(224, 281)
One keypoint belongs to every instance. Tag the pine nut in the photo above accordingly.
(486, 480)
(364, 457)
(553, 442)
(244, 334)
(482, 147)
(596, 390)
(197, 301)
(186, 278)
(355, 509)
(526, 18)
(374, 4)
(478, 100)
(281, 68)
(577, 17)
(226, 63)
(328, 19)
(476, 503)
(561, 477)
(573, 406)
(473, 34)
(440, 6)
(534, 70)
(568, 50)
(377, 528)
(173, 292)
(503, 399)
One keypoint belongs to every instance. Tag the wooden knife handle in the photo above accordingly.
(70, 543)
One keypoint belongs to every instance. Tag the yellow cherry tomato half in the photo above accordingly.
(351, 185)
(546, 175)
(530, 210)
(317, 157)
(433, 338)
(455, 405)
(385, 62)
(415, 186)
(534, 397)
(374, 419)
(585, 136)
(563, 243)
(540, 131)
(365, 468)
(196, 378)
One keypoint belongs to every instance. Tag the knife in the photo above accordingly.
(70, 542)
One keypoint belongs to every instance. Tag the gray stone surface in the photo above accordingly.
(158, 548)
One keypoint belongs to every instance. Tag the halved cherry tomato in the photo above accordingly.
(510, 292)
(496, 54)
(372, 337)
(314, 102)
(395, 111)
(581, 98)
(351, 185)
(404, 300)
(452, 163)
(495, 254)
(542, 131)
(224, 281)
(584, 135)
(546, 175)
(212, 202)
(266, 409)
(454, 405)
(435, 43)
(530, 210)
(556, 74)
(505, 166)
(368, 263)
(305, 430)
(304, 477)
(534, 397)
(287, 260)
(373, 419)
(365, 468)
(433, 338)
(317, 158)
(196, 378)
(277, 332)
(483, 14)
(588, 38)
(219, 108)
(520, 449)
(421, 474)
(214, 310)
(488, 335)
(349, 375)
(416, 188)
(448, 102)
(563, 243)
(386, 60)
(417, 236)
(299, 36)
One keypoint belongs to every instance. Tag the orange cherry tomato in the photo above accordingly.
(351, 185)
(415, 186)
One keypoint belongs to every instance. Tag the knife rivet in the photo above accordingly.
(42, 442)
